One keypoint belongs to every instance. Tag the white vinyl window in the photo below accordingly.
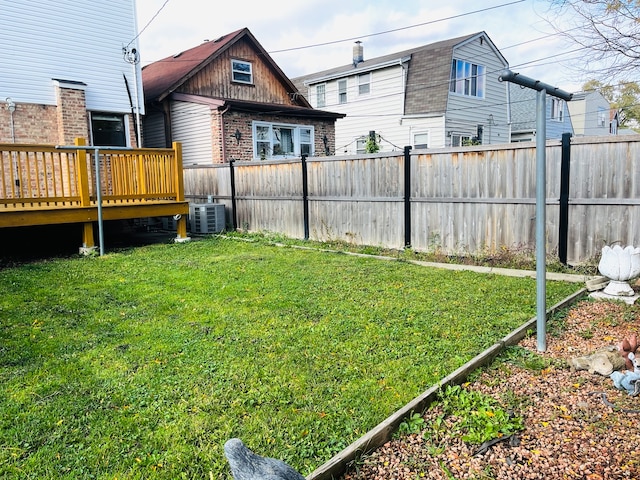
(364, 84)
(458, 140)
(342, 91)
(467, 79)
(420, 140)
(241, 71)
(321, 99)
(272, 140)
(557, 109)
(602, 117)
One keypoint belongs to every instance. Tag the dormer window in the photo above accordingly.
(241, 71)
(467, 79)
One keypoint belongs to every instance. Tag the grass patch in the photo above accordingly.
(142, 363)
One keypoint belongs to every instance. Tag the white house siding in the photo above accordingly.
(380, 110)
(76, 40)
(434, 126)
(465, 113)
(191, 125)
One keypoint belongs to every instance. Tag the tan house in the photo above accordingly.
(226, 99)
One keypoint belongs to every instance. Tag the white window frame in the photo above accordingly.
(321, 95)
(458, 139)
(557, 109)
(420, 133)
(265, 138)
(364, 83)
(602, 117)
(342, 91)
(467, 79)
(237, 74)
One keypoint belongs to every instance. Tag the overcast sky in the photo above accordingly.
(308, 36)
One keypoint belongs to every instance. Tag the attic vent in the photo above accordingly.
(218, 39)
(177, 55)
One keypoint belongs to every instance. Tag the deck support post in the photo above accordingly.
(181, 226)
(182, 230)
(88, 243)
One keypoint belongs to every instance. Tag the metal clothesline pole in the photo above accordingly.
(541, 183)
(96, 161)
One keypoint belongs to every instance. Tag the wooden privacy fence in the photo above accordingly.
(458, 200)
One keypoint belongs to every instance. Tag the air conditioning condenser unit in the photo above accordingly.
(207, 217)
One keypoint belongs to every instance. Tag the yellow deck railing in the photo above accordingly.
(48, 184)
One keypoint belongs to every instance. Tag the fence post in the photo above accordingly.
(232, 180)
(407, 196)
(305, 197)
(563, 220)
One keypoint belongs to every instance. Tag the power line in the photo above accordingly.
(397, 29)
(149, 22)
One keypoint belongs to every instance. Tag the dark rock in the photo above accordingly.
(246, 465)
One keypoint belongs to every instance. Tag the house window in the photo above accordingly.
(467, 79)
(241, 71)
(364, 84)
(321, 100)
(557, 109)
(458, 140)
(273, 140)
(108, 130)
(602, 117)
(420, 140)
(342, 91)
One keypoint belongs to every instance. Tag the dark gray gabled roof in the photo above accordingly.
(428, 73)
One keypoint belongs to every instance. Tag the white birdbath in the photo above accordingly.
(619, 265)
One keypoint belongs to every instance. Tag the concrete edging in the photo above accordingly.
(380, 434)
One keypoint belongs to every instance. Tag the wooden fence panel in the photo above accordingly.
(462, 200)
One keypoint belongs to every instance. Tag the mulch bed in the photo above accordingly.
(571, 430)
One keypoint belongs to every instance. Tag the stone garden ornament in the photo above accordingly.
(619, 264)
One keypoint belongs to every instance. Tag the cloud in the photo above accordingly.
(280, 25)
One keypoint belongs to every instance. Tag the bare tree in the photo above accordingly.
(609, 31)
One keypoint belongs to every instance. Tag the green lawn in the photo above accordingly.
(142, 363)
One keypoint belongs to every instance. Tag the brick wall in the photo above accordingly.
(51, 124)
(72, 115)
(31, 124)
(243, 149)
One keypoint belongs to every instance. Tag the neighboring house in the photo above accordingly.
(227, 99)
(438, 95)
(64, 72)
(590, 113)
(523, 103)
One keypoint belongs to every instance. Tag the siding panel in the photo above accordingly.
(67, 40)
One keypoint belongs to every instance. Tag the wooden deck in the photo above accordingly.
(48, 184)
